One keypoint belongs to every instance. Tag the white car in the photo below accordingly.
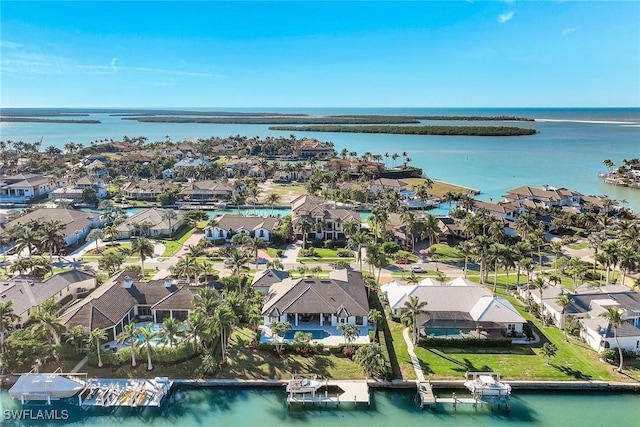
(417, 269)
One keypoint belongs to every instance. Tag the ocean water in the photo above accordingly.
(234, 407)
(567, 152)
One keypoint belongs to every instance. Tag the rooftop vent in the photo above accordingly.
(168, 282)
(128, 282)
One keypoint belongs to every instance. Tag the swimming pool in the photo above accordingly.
(446, 333)
(316, 334)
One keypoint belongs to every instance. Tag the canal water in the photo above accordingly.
(236, 407)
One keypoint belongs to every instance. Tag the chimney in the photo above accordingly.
(168, 282)
(128, 282)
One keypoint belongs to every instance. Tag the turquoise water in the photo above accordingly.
(444, 333)
(568, 152)
(316, 334)
(267, 408)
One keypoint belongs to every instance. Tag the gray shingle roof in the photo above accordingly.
(319, 295)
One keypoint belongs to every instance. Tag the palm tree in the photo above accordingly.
(146, 334)
(195, 326)
(370, 359)
(95, 235)
(379, 218)
(272, 199)
(279, 329)
(305, 226)
(628, 261)
(374, 318)
(564, 301)
(430, 228)
(349, 332)
(76, 336)
(539, 284)
(609, 164)
(466, 250)
(481, 245)
(350, 227)
(614, 317)
(548, 350)
(186, 267)
(171, 329)
(412, 308)
(51, 239)
(95, 338)
(45, 320)
(170, 215)
(525, 224)
(223, 321)
(611, 251)
(536, 239)
(253, 245)
(359, 240)
(238, 260)
(129, 335)
(7, 317)
(142, 247)
(27, 238)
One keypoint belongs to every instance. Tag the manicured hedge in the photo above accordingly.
(465, 343)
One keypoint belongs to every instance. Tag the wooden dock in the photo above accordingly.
(347, 391)
(428, 398)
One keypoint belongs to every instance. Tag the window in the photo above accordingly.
(144, 311)
(261, 233)
(511, 327)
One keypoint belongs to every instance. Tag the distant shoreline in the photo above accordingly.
(37, 120)
(416, 130)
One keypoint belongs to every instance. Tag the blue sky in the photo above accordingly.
(320, 54)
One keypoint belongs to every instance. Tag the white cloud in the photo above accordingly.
(36, 63)
(505, 17)
(569, 30)
(9, 45)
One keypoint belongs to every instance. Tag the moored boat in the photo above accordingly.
(486, 384)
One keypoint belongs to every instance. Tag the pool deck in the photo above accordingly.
(334, 338)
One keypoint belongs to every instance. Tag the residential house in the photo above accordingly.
(326, 217)
(587, 305)
(123, 299)
(74, 191)
(97, 169)
(190, 162)
(153, 222)
(206, 191)
(263, 279)
(75, 224)
(27, 293)
(254, 226)
(314, 149)
(459, 308)
(546, 196)
(289, 172)
(22, 187)
(341, 298)
(146, 190)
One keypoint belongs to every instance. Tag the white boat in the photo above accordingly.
(487, 385)
(303, 385)
(45, 387)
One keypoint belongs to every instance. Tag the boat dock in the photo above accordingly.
(334, 392)
(125, 392)
(480, 396)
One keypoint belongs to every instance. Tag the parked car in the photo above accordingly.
(402, 261)
(417, 269)
(228, 261)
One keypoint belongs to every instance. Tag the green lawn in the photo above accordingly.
(400, 347)
(574, 361)
(245, 363)
(579, 245)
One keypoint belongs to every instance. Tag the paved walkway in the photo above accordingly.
(414, 359)
(291, 255)
(79, 365)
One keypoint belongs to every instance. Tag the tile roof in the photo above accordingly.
(344, 292)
